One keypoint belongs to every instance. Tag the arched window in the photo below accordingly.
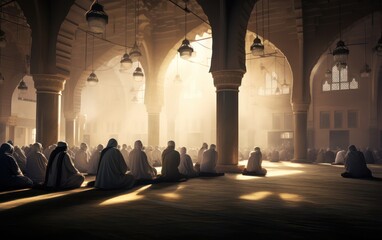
(339, 80)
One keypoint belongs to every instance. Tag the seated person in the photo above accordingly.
(112, 168)
(11, 176)
(36, 164)
(355, 164)
(209, 161)
(61, 173)
(186, 167)
(340, 156)
(254, 164)
(139, 164)
(170, 163)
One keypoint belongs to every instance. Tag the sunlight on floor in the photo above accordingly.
(22, 201)
(132, 196)
(291, 197)
(256, 196)
(173, 195)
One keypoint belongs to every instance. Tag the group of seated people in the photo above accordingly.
(113, 171)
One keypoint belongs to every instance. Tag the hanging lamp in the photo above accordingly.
(96, 18)
(23, 89)
(378, 47)
(185, 50)
(92, 79)
(126, 62)
(257, 47)
(138, 74)
(135, 52)
(341, 52)
(365, 71)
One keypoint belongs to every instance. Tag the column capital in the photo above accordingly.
(228, 79)
(300, 107)
(9, 120)
(49, 83)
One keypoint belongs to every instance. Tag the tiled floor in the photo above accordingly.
(294, 201)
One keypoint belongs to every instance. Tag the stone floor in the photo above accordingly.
(294, 201)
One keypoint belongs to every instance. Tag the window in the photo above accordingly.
(324, 120)
(337, 119)
(339, 80)
(352, 119)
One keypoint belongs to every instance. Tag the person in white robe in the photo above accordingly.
(156, 157)
(254, 164)
(112, 170)
(36, 164)
(81, 158)
(340, 157)
(355, 164)
(61, 173)
(200, 156)
(140, 167)
(209, 162)
(11, 176)
(94, 160)
(125, 153)
(186, 167)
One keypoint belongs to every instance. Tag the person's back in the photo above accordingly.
(156, 157)
(81, 158)
(209, 161)
(94, 160)
(355, 164)
(170, 163)
(254, 164)
(139, 165)
(186, 166)
(11, 176)
(61, 172)
(340, 157)
(112, 169)
(36, 164)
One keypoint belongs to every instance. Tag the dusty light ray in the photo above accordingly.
(132, 196)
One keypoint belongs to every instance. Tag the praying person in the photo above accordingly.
(355, 164)
(209, 161)
(186, 167)
(254, 164)
(139, 164)
(170, 163)
(11, 176)
(61, 173)
(112, 168)
(36, 164)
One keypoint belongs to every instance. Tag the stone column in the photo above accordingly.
(70, 128)
(153, 111)
(48, 107)
(300, 117)
(227, 84)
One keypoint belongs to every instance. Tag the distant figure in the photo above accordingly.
(149, 154)
(47, 151)
(312, 154)
(329, 156)
(186, 167)
(157, 155)
(61, 173)
(208, 164)
(125, 153)
(275, 156)
(139, 164)
(369, 155)
(200, 156)
(94, 160)
(81, 158)
(355, 164)
(36, 164)
(320, 158)
(170, 164)
(11, 176)
(254, 164)
(340, 157)
(112, 169)
(20, 157)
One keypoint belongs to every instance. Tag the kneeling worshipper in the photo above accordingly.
(340, 157)
(170, 163)
(209, 161)
(11, 176)
(112, 168)
(254, 164)
(139, 164)
(36, 164)
(186, 167)
(94, 160)
(61, 174)
(355, 164)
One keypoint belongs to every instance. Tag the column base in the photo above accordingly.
(230, 168)
(301, 161)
